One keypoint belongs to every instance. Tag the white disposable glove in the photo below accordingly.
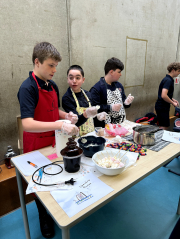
(129, 100)
(116, 107)
(69, 129)
(101, 116)
(91, 111)
(72, 117)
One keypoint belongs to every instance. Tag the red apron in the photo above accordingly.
(46, 111)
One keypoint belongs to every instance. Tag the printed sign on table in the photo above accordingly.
(171, 137)
(86, 191)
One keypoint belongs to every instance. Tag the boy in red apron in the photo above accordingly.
(78, 101)
(39, 104)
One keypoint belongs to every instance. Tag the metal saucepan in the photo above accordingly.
(145, 134)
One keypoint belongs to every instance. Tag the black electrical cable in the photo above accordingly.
(47, 173)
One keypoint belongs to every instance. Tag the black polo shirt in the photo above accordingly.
(166, 83)
(69, 104)
(28, 95)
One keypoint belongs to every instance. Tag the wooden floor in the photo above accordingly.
(9, 199)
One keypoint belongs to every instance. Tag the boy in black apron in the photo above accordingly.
(110, 95)
(78, 101)
(165, 94)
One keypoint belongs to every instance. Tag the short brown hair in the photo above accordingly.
(113, 64)
(76, 67)
(173, 66)
(45, 50)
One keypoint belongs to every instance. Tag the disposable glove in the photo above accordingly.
(72, 117)
(91, 111)
(116, 107)
(101, 116)
(129, 100)
(69, 129)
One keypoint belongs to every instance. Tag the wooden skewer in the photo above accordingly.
(108, 153)
(123, 156)
(98, 156)
(118, 153)
(103, 154)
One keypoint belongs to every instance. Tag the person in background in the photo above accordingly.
(78, 101)
(165, 94)
(39, 105)
(110, 95)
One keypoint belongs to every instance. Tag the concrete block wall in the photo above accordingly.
(144, 34)
(23, 24)
(102, 29)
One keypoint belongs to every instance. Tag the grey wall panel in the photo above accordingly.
(99, 30)
(22, 25)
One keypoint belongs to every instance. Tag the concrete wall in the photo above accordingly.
(103, 29)
(22, 25)
(142, 33)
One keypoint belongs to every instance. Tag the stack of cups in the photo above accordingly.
(61, 138)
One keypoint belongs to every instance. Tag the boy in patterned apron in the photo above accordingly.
(39, 104)
(110, 95)
(78, 101)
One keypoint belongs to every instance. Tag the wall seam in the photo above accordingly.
(177, 51)
(68, 29)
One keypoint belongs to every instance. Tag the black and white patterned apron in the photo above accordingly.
(115, 97)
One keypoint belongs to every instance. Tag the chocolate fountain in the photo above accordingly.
(71, 156)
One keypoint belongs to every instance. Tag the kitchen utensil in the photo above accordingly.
(145, 134)
(71, 156)
(61, 138)
(99, 131)
(92, 145)
(112, 153)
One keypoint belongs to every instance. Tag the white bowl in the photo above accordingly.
(110, 153)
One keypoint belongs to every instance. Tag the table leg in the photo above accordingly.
(65, 233)
(178, 209)
(23, 205)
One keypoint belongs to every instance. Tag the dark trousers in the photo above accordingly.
(175, 234)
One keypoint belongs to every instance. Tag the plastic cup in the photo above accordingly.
(99, 131)
(61, 138)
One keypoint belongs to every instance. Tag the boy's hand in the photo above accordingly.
(69, 129)
(91, 112)
(101, 116)
(175, 101)
(72, 117)
(175, 104)
(116, 107)
(129, 100)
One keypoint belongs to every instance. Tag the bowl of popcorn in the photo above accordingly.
(110, 161)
